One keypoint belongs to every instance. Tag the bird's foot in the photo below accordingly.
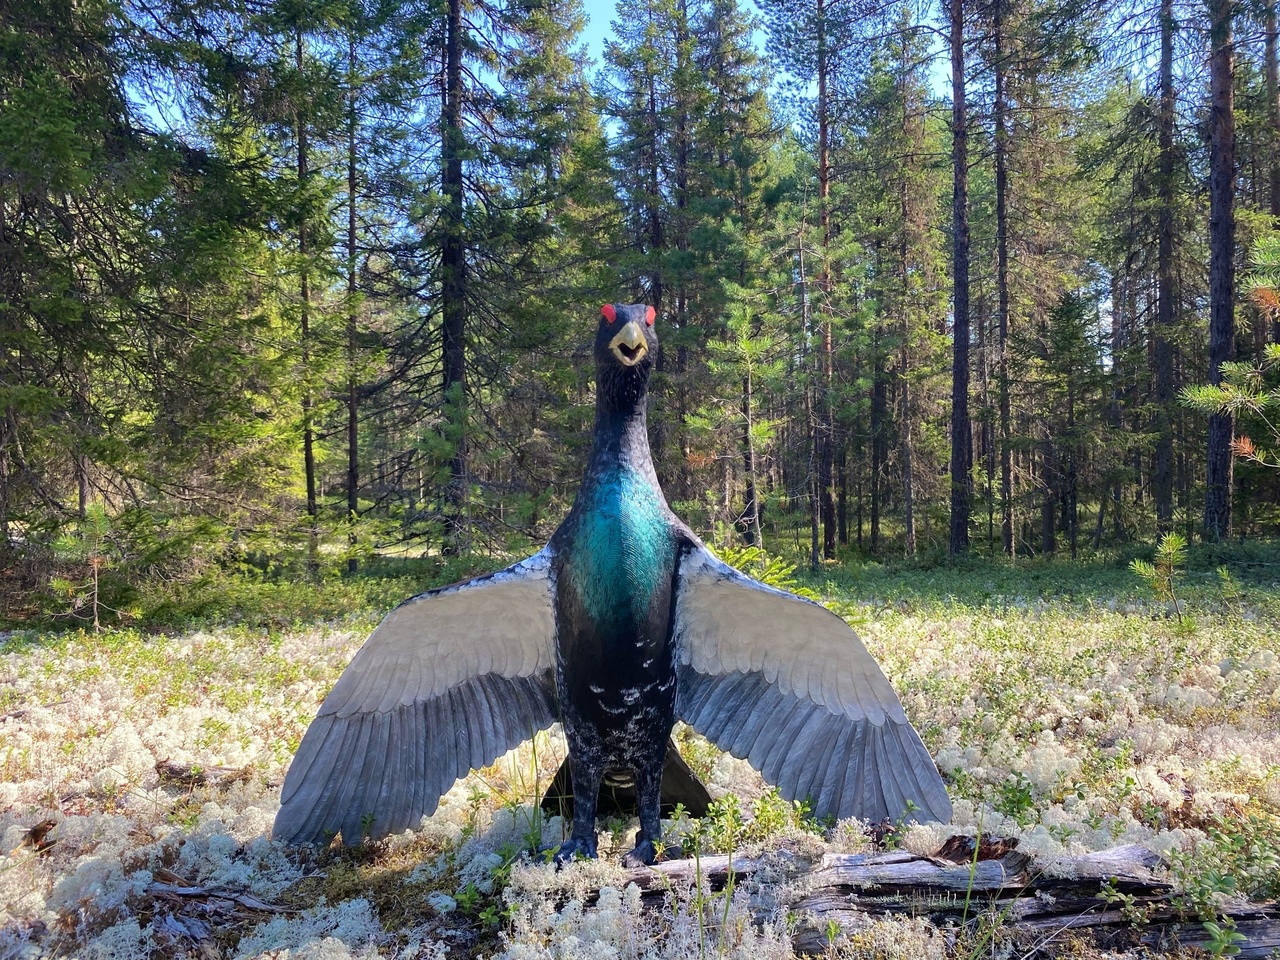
(575, 848)
(647, 853)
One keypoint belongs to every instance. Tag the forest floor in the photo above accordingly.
(140, 772)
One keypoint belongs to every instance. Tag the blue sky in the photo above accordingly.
(600, 14)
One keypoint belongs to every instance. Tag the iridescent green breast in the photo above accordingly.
(622, 550)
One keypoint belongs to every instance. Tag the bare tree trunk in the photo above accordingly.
(842, 493)
(1273, 102)
(1071, 491)
(879, 439)
(908, 491)
(353, 408)
(810, 410)
(826, 415)
(1222, 156)
(657, 244)
(1002, 279)
(453, 288)
(1048, 480)
(751, 506)
(961, 440)
(1161, 346)
(304, 326)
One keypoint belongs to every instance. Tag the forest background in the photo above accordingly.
(289, 286)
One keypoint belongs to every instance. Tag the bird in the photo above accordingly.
(624, 623)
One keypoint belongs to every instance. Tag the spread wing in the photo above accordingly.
(787, 685)
(448, 682)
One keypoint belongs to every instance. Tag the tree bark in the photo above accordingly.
(1161, 344)
(353, 407)
(751, 506)
(1048, 500)
(961, 439)
(1035, 906)
(879, 436)
(453, 287)
(1273, 101)
(1222, 156)
(826, 406)
(1002, 280)
(304, 327)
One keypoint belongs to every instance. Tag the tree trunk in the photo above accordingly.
(826, 408)
(304, 327)
(353, 409)
(1222, 156)
(453, 287)
(1273, 102)
(657, 245)
(879, 438)
(751, 507)
(1002, 280)
(961, 440)
(908, 491)
(842, 492)
(810, 411)
(1161, 345)
(1048, 500)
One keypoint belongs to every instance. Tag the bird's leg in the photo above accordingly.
(586, 779)
(649, 803)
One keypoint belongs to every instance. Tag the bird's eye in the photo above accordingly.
(610, 315)
(650, 315)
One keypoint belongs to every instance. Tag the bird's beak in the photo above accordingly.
(629, 345)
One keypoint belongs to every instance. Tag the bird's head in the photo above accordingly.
(625, 347)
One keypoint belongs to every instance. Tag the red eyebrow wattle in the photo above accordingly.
(650, 316)
(608, 312)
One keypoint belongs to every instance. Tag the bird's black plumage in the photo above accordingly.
(623, 624)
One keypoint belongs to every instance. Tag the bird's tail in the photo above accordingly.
(680, 787)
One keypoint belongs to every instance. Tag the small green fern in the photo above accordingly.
(755, 562)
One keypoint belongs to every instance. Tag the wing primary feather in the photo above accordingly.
(779, 717)
(417, 766)
(850, 769)
(785, 738)
(722, 722)
(755, 691)
(718, 711)
(692, 692)
(481, 720)
(382, 802)
(880, 785)
(365, 778)
(354, 749)
(809, 782)
(301, 791)
(874, 782)
(441, 754)
(311, 750)
(826, 802)
(461, 736)
(373, 777)
(518, 717)
(400, 760)
(321, 816)
(795, 762)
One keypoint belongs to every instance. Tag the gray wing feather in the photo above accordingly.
(787, 685)
(448, 682)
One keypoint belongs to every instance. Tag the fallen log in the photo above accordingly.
(1116, 898)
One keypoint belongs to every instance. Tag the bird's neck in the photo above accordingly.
(621, 440)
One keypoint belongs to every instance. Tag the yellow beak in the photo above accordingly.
(629, 345)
